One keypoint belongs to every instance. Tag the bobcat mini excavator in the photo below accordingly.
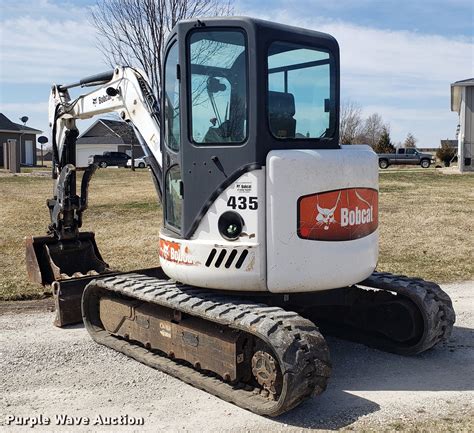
(270, 225)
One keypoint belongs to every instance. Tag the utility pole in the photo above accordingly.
(23, 119)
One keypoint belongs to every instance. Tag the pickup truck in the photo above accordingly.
(406, 156)
(139, 162)
(109, 158)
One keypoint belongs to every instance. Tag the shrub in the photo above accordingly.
(445, 153)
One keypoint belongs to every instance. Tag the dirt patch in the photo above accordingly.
(27, 306)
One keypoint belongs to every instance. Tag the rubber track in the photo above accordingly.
(433, 303)
(300, 349)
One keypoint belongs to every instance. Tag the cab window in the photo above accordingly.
(174, 200)
(171, 100)
(218, 87)
(300, 101)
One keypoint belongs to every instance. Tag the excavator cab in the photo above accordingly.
(234, 89)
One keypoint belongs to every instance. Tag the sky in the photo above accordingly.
(398, 57)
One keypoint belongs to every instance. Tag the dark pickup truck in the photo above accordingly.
(406, 156)
(109, 158)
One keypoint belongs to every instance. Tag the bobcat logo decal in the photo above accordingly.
(339, 215)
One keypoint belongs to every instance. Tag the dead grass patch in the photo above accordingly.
(426, 227)
(123, 212)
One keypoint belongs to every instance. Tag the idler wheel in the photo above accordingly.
(266, 372)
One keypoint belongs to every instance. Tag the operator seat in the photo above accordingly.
(281, 109)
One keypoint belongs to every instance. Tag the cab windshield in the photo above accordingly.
(300, 96)
(218, 84)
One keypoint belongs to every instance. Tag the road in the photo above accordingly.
(51, 372)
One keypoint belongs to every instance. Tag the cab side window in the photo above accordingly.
(172, 138)
(174, 200)
(171, 100)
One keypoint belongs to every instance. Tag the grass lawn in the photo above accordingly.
(426, 223)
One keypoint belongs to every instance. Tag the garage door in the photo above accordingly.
(84, 150)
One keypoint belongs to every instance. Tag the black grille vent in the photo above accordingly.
(242, 258)
(220, 258)
(230, 258)
(212, 254)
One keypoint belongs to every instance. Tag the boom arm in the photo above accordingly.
(125, 91)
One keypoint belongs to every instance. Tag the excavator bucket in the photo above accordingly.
(49, 259)
(68, 266)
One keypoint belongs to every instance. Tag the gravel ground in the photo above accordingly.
(50, 372)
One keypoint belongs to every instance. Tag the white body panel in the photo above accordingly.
(278, 259)
(300, 265)
(188, 264)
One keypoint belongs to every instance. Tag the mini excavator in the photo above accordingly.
(270, 226)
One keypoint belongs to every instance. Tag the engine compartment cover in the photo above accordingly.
(322, 218)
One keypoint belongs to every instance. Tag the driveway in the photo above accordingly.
(53, 372)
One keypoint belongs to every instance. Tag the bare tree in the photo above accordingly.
(351, 122)
(133, 32)
(410, 141)
(373, 128)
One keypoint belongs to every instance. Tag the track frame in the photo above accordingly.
(300, 350)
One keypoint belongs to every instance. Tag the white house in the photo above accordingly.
(462, 101)
(106, 135)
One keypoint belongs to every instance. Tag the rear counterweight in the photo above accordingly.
(322, 218)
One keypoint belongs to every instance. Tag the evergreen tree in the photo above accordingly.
(410, 141)
(384, 145)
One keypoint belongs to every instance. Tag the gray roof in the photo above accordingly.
(25, 128)
(122, 133)
(122, 129)
(100, 140)
(466, 82)
(7, 125)
(456, 92)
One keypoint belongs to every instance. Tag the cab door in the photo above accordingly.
(171, 147)
(400, 156)
(412, 156)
